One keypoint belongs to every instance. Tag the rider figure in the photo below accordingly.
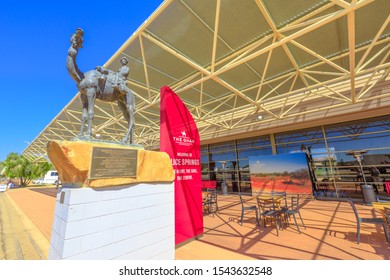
(119, 78)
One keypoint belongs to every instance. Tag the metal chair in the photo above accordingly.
(359, 220)
(268, 209)
(386, 214)
(247, 208)
(283, 203)
(382, 198)
(281, 194)
(211, 202)
(294, 209)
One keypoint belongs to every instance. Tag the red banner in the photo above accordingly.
(179, 138)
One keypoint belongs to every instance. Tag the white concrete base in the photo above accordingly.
(131, 222)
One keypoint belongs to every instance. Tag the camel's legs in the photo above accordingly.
(84, 116)
(127, 106)
(91, 94)
(130, 109)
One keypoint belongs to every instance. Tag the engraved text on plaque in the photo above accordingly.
(112, 163)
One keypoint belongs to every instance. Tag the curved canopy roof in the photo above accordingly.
(244, 66)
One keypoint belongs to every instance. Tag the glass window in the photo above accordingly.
(245, 153)
(243, 164)
(229, 165)
(301, 136)
(222, 147)
(228, 156)
(288, 142)
(205, 166)
(356, 128)
(251, 147)
(204, 149)
(359, 142)
(205, 176)
(262, 141)
(204, 158)
(295, 147)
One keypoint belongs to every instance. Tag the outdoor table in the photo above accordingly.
(277, 201)
(277, 198)
(381, 206)
(205, 196)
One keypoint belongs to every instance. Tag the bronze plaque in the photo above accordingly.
(113, 163)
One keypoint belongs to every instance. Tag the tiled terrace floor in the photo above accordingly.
(330, 233)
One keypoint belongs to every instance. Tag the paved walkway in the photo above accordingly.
(330, 233)
(20, 238)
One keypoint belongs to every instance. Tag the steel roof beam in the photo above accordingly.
(145, 65)
(351, 45)
(197, 67)
(215, 38)
(264, 72)
(297, 34)
(373, 43)
(341, 3)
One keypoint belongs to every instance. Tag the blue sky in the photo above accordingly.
(35, 84)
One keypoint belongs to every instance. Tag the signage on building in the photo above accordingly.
(179, 138)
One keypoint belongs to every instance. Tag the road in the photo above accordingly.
(19, 238)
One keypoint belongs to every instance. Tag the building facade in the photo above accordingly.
(329, 147)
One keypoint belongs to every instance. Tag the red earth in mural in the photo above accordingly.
(281, 183)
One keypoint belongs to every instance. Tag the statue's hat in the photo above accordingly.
(125, 59)
(82, 31)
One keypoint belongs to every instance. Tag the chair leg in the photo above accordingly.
(285, 219)
(301, 219)
(358, 233)
(280, 220)
(257, 219)
(209, 207)
(288, 218)
(276, 225)
(386, 233)
(263, 221)
(296, 223)
(242, 217)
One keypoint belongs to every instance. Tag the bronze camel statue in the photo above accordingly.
(103, 84)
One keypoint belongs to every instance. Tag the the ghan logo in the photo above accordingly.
(183, 140)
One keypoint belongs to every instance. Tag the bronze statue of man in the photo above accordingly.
(120, 76)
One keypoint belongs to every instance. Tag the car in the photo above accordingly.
(51, 177)
(38, 181)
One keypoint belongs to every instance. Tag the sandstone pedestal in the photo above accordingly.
(102, 216)
(72, 159)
